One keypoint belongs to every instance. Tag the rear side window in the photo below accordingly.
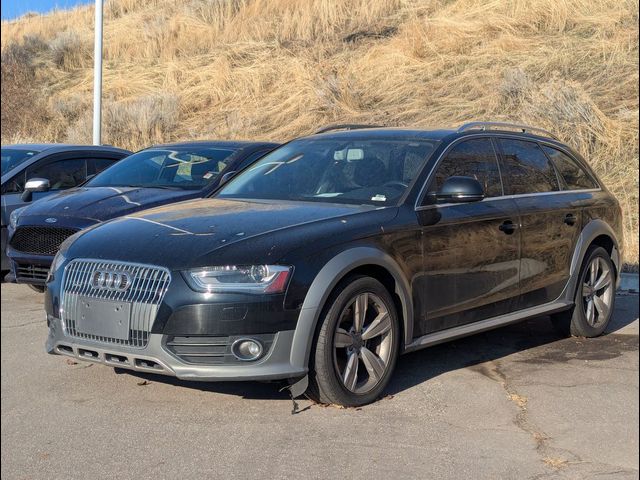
(471, 158)
(574, 176)
(526, 168)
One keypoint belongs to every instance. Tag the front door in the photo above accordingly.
(471, 250)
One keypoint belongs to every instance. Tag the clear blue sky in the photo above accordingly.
(14, 8)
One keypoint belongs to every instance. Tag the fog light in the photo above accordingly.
(246, 349)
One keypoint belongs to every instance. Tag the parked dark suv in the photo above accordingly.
(338, 251)
(155, 176)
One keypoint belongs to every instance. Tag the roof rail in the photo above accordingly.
(505, 126)
(343, 126)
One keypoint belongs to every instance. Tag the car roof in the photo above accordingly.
(387, 133)
(216, 143)
(63, 147)
(436, 134)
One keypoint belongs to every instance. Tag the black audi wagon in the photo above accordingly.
(336, 252)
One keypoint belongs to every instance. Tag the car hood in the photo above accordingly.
(104, 203)
(209, 230)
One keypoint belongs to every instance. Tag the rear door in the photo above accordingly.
(471, 260)
(550, 220)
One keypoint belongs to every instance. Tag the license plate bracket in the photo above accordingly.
(103, 318)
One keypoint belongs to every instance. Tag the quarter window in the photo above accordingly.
(526, 168)
(97, 165)
(472, 158)
(574, 176)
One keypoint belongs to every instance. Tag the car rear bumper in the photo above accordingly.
(156, 357)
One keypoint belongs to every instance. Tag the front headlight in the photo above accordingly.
(239, 279)
(13, 218)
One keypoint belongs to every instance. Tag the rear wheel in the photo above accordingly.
(594, 298)
(356, 345)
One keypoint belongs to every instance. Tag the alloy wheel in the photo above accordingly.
(597, 292)
(363, 343)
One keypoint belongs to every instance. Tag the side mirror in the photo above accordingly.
(226, 177)
(460, 190)
(34, 185)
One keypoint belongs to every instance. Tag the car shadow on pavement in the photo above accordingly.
(535, 340)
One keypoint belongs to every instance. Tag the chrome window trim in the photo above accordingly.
(422, 193)
(506, 197)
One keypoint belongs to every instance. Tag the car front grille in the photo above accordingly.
(144, 292)
(37, 273)
(40, 240)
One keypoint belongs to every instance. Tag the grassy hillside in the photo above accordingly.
(273, 69)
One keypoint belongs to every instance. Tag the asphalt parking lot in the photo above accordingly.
(518, 402)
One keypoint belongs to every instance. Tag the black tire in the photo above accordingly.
(574, 322)
(37, 288)
(325, 382)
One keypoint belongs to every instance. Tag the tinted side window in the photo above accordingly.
(471, 158)
(96, 165)
(574, 176)
(15, 185)
(61, 174)
(526, 168)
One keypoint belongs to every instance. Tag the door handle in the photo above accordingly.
(508, 227)
(570, 219)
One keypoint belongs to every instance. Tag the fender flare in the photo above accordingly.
(324, 283)
(589, 233)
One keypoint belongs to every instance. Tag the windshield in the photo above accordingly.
(12, 157)
(181, 168)
(373, 172)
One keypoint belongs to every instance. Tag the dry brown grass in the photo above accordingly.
(274, 69)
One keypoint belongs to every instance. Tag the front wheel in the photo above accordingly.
(37, 288)
(594, 299)
(356, 345)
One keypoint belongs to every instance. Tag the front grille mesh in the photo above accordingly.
(40, 240)
(145, 293)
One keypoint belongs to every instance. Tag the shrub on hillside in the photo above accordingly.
(145, 121)
(22, 107)
(68, 50)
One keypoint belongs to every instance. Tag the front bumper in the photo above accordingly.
(28, 268)
(156, 358)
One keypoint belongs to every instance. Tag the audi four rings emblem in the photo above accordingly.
(111, 280)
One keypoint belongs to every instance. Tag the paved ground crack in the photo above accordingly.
(22, 324)
(553, 457)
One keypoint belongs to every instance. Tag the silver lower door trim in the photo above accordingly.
(484, 325)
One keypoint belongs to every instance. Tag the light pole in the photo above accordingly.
(97, 74)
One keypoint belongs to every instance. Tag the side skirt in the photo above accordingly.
(484, 325)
